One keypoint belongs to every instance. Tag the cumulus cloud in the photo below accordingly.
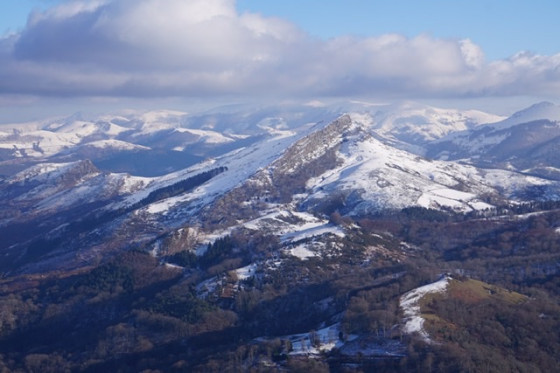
(206, 47)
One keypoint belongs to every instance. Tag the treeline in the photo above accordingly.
(517, 209)
(216, 252)
(447, 215)
(180, 187)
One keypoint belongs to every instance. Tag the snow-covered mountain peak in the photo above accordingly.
(156, 118)
(144, 123)
(162, 115)
(206, 136)
(528, 140)
(537, 108)
(542, 110)
(415, 123)
(371, 176)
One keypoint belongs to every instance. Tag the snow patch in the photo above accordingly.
(315, 342)
(409, 302)
(207, 287)
(246, 272)
(311, 230)
(163, 207)
(455, 199)
(302, 252)
(173, 266)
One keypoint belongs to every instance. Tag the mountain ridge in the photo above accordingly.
(343, 166)
(294, 245)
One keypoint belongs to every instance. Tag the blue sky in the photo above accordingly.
(112, 52)
(501, 27)
(14, 13)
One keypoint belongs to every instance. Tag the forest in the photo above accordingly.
(135, 313)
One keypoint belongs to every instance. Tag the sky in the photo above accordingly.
(59, 56)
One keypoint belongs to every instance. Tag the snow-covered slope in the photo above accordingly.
(341, 165)
(146, 144)
(542, 110)
(410, 304)
(414, 123)
(50, 187)
(45, 172)
(240, 164)
(102, 187)
(38, 143)
(373, 176)
(114, 145)
(140, 129)
(528, 141)
(367, 171)
(286, 182)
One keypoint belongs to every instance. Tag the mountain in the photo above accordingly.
(319, 169)
(343, 167)
(144, 144)
(57, 186)
(527, 141)
(414, 124)
(308, 237)
(158, 142)
(542, 110)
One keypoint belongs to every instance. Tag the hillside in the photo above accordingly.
(294, 245)
(481, 325)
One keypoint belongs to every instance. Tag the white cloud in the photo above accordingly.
(472, 54)
(206, 47)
